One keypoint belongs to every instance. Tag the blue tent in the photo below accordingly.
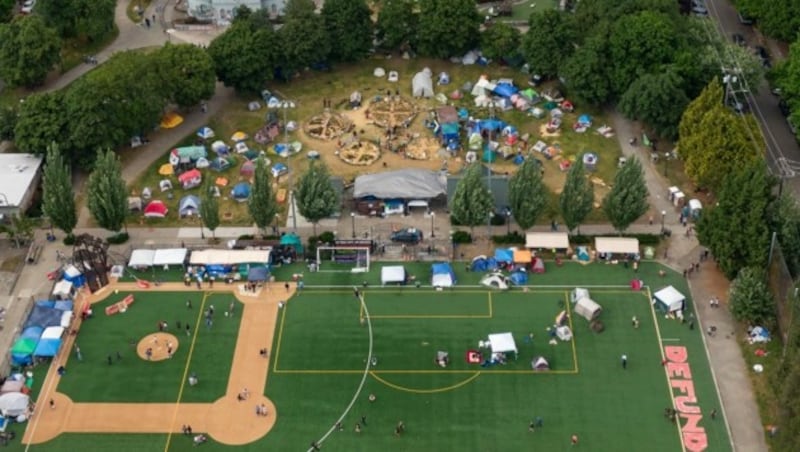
(505, 90)
(63, 305)
(479, 264)
(43, 317)
(583, 253)
(504, 255)
(257, 274)
(46, 303)
(220, 164)
(216, 270)
(463, 114)
(241, 191)
(519, 277)
(73, 275)
(47, 347)
(293, 240)
(443, 275)
(493, 125)
(585, 120)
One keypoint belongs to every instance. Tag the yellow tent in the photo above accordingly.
(171, 120)
(166, 170)
(239, 136)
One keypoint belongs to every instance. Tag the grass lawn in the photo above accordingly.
(320, 350)
(133, 379)
(74, 50)
(310, 88)
(523, 10)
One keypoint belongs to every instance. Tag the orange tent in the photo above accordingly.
(522, 256)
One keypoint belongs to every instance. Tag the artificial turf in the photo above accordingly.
(319, 354)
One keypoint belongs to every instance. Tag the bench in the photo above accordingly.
(120, 306)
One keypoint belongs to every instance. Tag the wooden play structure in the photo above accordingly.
(391, 112)
(328, 126)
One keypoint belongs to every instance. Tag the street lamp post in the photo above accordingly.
(433, 230)
(508, 221)
(663, 217)
(489, 226)
(452, 245)
(285, 106)
(666, 163)
(353, 221)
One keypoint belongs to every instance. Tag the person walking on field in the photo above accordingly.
(624, 361)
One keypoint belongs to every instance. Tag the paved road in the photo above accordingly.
(783, 152)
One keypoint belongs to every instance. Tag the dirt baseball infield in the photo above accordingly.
(227, 420)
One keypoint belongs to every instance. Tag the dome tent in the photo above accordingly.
(189, 206)
(156, 209)
(422, 84)
(241, 191)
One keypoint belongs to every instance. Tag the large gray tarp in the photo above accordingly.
(406, 183)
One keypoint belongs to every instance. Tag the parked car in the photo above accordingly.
(784, 108)
(27, 7)
(762, 53)
(739, 40)
(699, 10)
(407, 235)
(745, 20)
(738, 106)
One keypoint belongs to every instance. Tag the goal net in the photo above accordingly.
(343, 259)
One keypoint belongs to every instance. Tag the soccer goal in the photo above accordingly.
(343, 259)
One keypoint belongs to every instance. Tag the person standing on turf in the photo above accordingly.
(574, 440)
(624, 361)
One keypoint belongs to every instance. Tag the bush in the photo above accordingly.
(499, 220)
(515, 238)
(69, 240)
(246, 237)
(327, 237)
(118, 239)
(461, 237)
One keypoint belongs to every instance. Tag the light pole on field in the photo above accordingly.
(353, 221)
(285, 106)
(433, 231)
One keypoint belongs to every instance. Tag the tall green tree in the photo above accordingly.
(577, 199)
(8, 121)
(447, 28)
(472, 203)
(787, 78)
(186, 74)
(657, 99)
(698, 108)
(750, 299)
(627, 199)
(737, 228)
(6, 10)
(500, 41)
(303, 38)
(245, 58)
(527, 194)
(58, 199)
(349, 27)
(315, 196)
(397, 24)
(92, 19)
(549, 42)
(209, 208)
(41, 121)
(787, 226)
(107, 196)
(588, 72)
(262, 204)
(28, 51)
(779, 19)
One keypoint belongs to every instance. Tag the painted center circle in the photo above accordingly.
(157, 347)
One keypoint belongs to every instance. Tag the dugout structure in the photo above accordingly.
(343, 259)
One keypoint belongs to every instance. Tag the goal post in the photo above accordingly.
(343, 259)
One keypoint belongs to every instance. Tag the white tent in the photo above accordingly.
(588, 309)
(379, 72)
(170, 256)
(52, 332)
(564, 333)
(141, 258)
(13, 404)
(229, 257)
(614, 245)
(502, 343)
(669, 299)
(578, 293)
(496, 280)
(482, 87)
(547, 240)
(422, 84)
(62, 289)
(394, 274)
(540, 364)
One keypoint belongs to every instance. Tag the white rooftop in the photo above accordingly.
(17, 172)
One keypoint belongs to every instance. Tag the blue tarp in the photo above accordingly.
(505, 90)
(443, 268)
(463, 113)
(63, 305)
(494, 125)
(257, 274)
(46, 303)
(583, 253)
(519, 278)
(47, 347)
(32, 332)
(584, 119)
(43, 317)
(218, 270)
(504, 255)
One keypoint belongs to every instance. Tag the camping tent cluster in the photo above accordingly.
(42, 332)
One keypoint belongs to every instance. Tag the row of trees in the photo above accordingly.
(787, 77)
(124, 97)
(779, 19)
(529, 198)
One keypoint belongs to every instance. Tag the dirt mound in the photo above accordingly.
(157, 346)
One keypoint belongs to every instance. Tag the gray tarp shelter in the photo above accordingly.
(257, 274)
(405, 183)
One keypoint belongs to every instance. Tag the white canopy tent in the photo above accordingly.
(669, 299)
(170, 256)
(229, 257)
(14, 404)
(578, 293)
(62, 289)
(502, 343)
(547, 240)
(141, 258)
(616, 245)
(395, 274)
(52, 332)
(588, 309)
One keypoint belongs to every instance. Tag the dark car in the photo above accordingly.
(699, 10)
(739, 40)
(745, 20)
(762, 53)
(407, 235)
(784, 108)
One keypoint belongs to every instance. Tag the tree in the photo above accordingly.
(787, 226)
(41, 121)
(588, 73)
(19, 229)
(693, 115)
(8, 121)
(397, 23)
(186, 74)
(298, 8)
(549, 42)
(500, 41)
(447, 28)
(527, 195)
(6, 10)
(577, 198)
(106, 192)
(209, 208)
(779, 19)
(737, 228)
(58, 199)
(750, 299)
(262, 205)
(315, 196)
(92, 19)
(244, 58)
(303, 38)
(472, 203)
(28, 50)
(657, 99)
(349, 27)
(627, 199)
(787, 78)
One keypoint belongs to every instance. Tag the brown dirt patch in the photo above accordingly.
(157, 346)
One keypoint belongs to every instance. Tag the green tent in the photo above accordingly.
(292, 240)
(191, 152)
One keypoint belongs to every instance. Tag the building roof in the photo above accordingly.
(17, 173)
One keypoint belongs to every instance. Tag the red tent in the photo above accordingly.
(155, 209)
(191, 178)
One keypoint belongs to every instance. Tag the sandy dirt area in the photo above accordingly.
(228, 420)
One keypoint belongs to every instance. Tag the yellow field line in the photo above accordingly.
(425, 391)
(569, 319)
(277, 352)
(421, 372)
(491, 310)
(186, 368)
(431, 316)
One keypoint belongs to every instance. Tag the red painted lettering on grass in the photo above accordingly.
(680, 380)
